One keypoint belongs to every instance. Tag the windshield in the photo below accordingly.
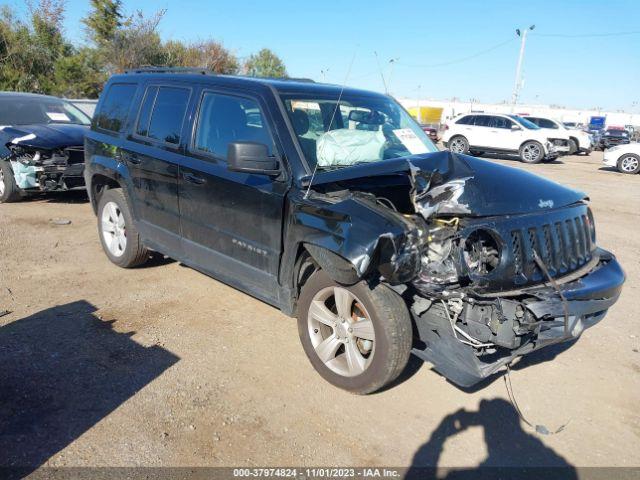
(360, 130)
(524, 122)
(23, 110)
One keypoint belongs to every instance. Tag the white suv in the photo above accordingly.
(478, 133)
(579, 140)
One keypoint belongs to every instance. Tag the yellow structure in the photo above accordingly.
(426, 114)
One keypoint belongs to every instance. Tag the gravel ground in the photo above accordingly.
(163, 366)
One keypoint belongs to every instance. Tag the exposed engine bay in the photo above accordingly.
(484, 283)
(47, 170)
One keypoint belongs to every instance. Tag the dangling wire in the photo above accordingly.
(541, 429)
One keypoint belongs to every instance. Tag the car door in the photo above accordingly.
(504, 137)
(231, 221)
(152, 153)
(482, 135)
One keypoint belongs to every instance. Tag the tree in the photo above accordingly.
(103, 21)
(136, 44)
(209, 55)
(29, 51)
(265, 63)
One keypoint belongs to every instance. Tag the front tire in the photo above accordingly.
(357, 337)
(531, 152)
(118, 235)
(459, 144)
(629, 164)
(9, 191)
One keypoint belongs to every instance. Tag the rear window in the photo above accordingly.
(162, 113)
(113, 112)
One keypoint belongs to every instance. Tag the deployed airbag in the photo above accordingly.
(346, 147)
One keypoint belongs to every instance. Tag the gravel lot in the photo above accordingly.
(163, 366)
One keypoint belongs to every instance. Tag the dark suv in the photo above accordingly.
(333, 205)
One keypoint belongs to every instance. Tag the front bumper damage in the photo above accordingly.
(47, 170)
(553, 316)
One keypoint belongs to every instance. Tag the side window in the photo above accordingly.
(500, 122)
(115, 107)
(466, 120)
(162, 113)
(533, 120)
(544, 123)
(482, 120)
(224, 119)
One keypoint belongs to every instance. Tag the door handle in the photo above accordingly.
(190, 177)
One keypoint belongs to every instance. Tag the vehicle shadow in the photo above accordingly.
(511, 452)
(69, 196)
(63, 370)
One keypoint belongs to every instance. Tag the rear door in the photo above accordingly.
(152, 153)
(232, 222)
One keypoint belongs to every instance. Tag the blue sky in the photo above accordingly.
(597, 71)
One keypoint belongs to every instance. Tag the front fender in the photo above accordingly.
(352, 237)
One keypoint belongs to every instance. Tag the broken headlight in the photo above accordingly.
(438, 263)
(482, 252)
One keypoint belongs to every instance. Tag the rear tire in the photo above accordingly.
(629, 163)
(573, 147)
(388, 334)
(531, 152)
(459, 144)
(9, 191)
(118, 235)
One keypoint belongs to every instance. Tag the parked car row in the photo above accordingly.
(333, 205)
(479, 133)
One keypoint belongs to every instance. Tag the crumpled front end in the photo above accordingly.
(493, 262)
(493, 288)
(46, 170)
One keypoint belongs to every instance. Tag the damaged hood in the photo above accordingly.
(448, 183)
(45, 136)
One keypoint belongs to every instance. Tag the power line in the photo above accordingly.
(587, 35)
(460, 60)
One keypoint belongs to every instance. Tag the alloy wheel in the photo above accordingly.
(457, 145)
(531, 152)
(629, 164)
(341, 331)
(114, 230)
(2, 185)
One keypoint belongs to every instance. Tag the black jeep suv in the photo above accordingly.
(332, 204)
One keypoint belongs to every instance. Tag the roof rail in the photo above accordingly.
(162, 69)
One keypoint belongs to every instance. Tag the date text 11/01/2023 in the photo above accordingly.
(331, 472)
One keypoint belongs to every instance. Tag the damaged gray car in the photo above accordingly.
(41, 145)
(333, 205)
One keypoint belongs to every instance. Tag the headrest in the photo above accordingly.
(300, 121)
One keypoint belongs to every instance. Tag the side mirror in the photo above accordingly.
(515, 128)
(251, 157)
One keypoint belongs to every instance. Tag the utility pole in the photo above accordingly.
(518, 82)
